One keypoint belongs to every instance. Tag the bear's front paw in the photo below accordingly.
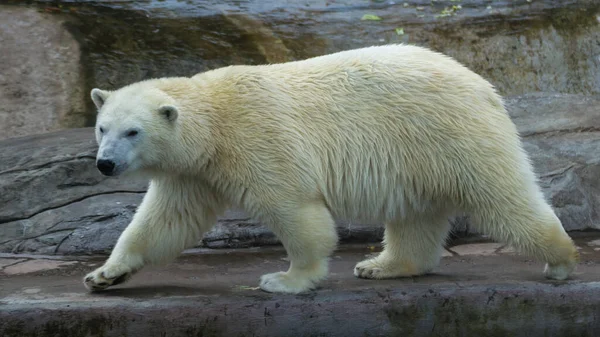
(106, 276)
(282, 282)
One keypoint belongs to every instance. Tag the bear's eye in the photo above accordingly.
(132, 133)
(101, 130)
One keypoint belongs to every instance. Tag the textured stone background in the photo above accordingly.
(41, 85)
(54, 53)
(543, 55)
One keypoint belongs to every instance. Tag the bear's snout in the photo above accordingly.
(106, 166)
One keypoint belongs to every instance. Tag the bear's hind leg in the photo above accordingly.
(309, 236)
(533, 230)
(410, 248)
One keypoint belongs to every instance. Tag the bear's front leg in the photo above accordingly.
(126, 258)
(309, 236)
(170, 219)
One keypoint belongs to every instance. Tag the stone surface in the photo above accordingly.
(507, 250)
(521, 46)
(53, 200)
(446, 253)
(483, 249)
(41, 83)
(562, 135)
(33, 266)
(594, 243)
(214, 294)
(57, 170)
(7, 262)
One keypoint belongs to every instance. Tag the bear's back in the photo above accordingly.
(365, 128)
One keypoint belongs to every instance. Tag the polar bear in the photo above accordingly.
(395, 134)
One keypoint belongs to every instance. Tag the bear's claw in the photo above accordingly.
(107, 276)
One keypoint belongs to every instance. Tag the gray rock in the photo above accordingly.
(41, 82)
(53, 200)
(520, 46)
(562, 136)
(214, 295)
(48, 171)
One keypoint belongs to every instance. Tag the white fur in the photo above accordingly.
(395, 134)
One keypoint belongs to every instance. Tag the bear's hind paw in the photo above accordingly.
(558, 272)
(378, 269)
(282, 282)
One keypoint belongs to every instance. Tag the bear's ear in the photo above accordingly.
(169, 112)
(99, 97)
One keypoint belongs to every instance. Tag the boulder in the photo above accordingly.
(521, 46)
(41, 82)
(53, 200)
(562, 136)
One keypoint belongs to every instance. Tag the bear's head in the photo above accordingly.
(134, 128)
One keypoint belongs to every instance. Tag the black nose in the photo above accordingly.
(106, 166)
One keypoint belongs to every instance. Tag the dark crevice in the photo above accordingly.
(3, 221)
(61, 242)
(39, 235)
(559, 172)
(95, 218)
(561, 131)
(78, 184)
(45, 165)
(14, 263)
